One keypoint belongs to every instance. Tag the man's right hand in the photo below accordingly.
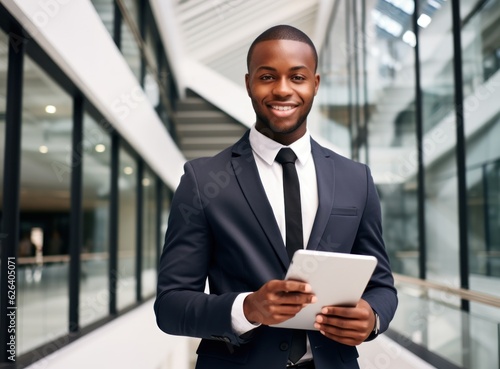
(277, 301)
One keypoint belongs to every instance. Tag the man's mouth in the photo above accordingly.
(282, 108)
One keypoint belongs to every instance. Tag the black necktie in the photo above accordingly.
(293, 213)
(294, 237)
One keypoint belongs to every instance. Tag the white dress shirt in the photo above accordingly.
(271, 174)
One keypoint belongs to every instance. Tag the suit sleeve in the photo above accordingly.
(181, 306)
(380, 292)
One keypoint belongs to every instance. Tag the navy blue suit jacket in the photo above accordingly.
(222, 226)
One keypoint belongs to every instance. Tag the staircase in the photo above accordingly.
(203, 129)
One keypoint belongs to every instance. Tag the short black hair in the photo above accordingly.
(283, 32)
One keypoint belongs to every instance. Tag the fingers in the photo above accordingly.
(289, 286)
(347, 325)
(277, 301)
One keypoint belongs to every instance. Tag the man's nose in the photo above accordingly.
(282, 87)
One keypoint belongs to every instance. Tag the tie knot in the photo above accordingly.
(286, 155)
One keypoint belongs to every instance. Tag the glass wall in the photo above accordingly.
(51, 105)
(96, 160)
(127, 230)
(393, 153)
(481, 68)
(334, 94)
(128, 45)
(44, 209)
(376, 84)
(441, 202)
(377, 59)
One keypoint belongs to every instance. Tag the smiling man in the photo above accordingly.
(273, 192)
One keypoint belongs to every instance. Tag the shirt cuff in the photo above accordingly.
(239, 322)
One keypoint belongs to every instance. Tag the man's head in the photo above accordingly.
(283, 32)
(282, 82)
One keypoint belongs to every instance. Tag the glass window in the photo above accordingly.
(128, 44)
(441, 202)
(481, 65)
(44, 209)
(130, 50)
(333, 97)
(390, 61)
(151, 88)
(149, 233)
(127, 228)
(106, 10)
(94, 282)
(481, 72)
(4, 57)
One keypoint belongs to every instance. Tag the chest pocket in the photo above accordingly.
(340, 230)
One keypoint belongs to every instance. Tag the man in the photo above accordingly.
(231, 222)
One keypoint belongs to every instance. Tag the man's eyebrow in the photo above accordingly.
(298, 67)
(265, 67)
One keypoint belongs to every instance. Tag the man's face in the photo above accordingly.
(282, 83)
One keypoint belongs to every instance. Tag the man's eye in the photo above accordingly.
(298, 78)
(266, 78)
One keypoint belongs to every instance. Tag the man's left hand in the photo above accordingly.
(348, 325)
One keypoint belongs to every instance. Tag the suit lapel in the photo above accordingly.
(248, 178)
(325, 176)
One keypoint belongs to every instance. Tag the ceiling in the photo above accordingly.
(218, 33)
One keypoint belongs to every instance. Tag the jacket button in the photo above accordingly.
(284, 346)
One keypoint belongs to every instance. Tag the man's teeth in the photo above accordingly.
(282, 107)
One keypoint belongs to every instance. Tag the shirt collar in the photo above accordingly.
(267, 149)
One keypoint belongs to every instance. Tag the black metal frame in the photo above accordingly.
(486, 212)
(160, 195)
(422, 238)
(358, 138)
(139, 231)
(76, 219)
(11, 188)
(366, 106)
(113, 224)
(117, 26)
(349, 80)
(460, 152)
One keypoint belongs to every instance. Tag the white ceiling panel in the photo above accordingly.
(217, 33)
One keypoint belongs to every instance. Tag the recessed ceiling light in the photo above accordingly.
(50, 109)
(410, 38)
(146, 182)
(424, 20)
(43, 149)
(100, 148)
(128, 170)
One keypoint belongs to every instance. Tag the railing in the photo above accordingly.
(464, 294)
(429, 317)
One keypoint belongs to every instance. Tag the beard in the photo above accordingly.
(268, 128)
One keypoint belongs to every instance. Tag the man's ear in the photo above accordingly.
(317, 79)
(247, 83)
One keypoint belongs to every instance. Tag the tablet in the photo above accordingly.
(336, 279)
